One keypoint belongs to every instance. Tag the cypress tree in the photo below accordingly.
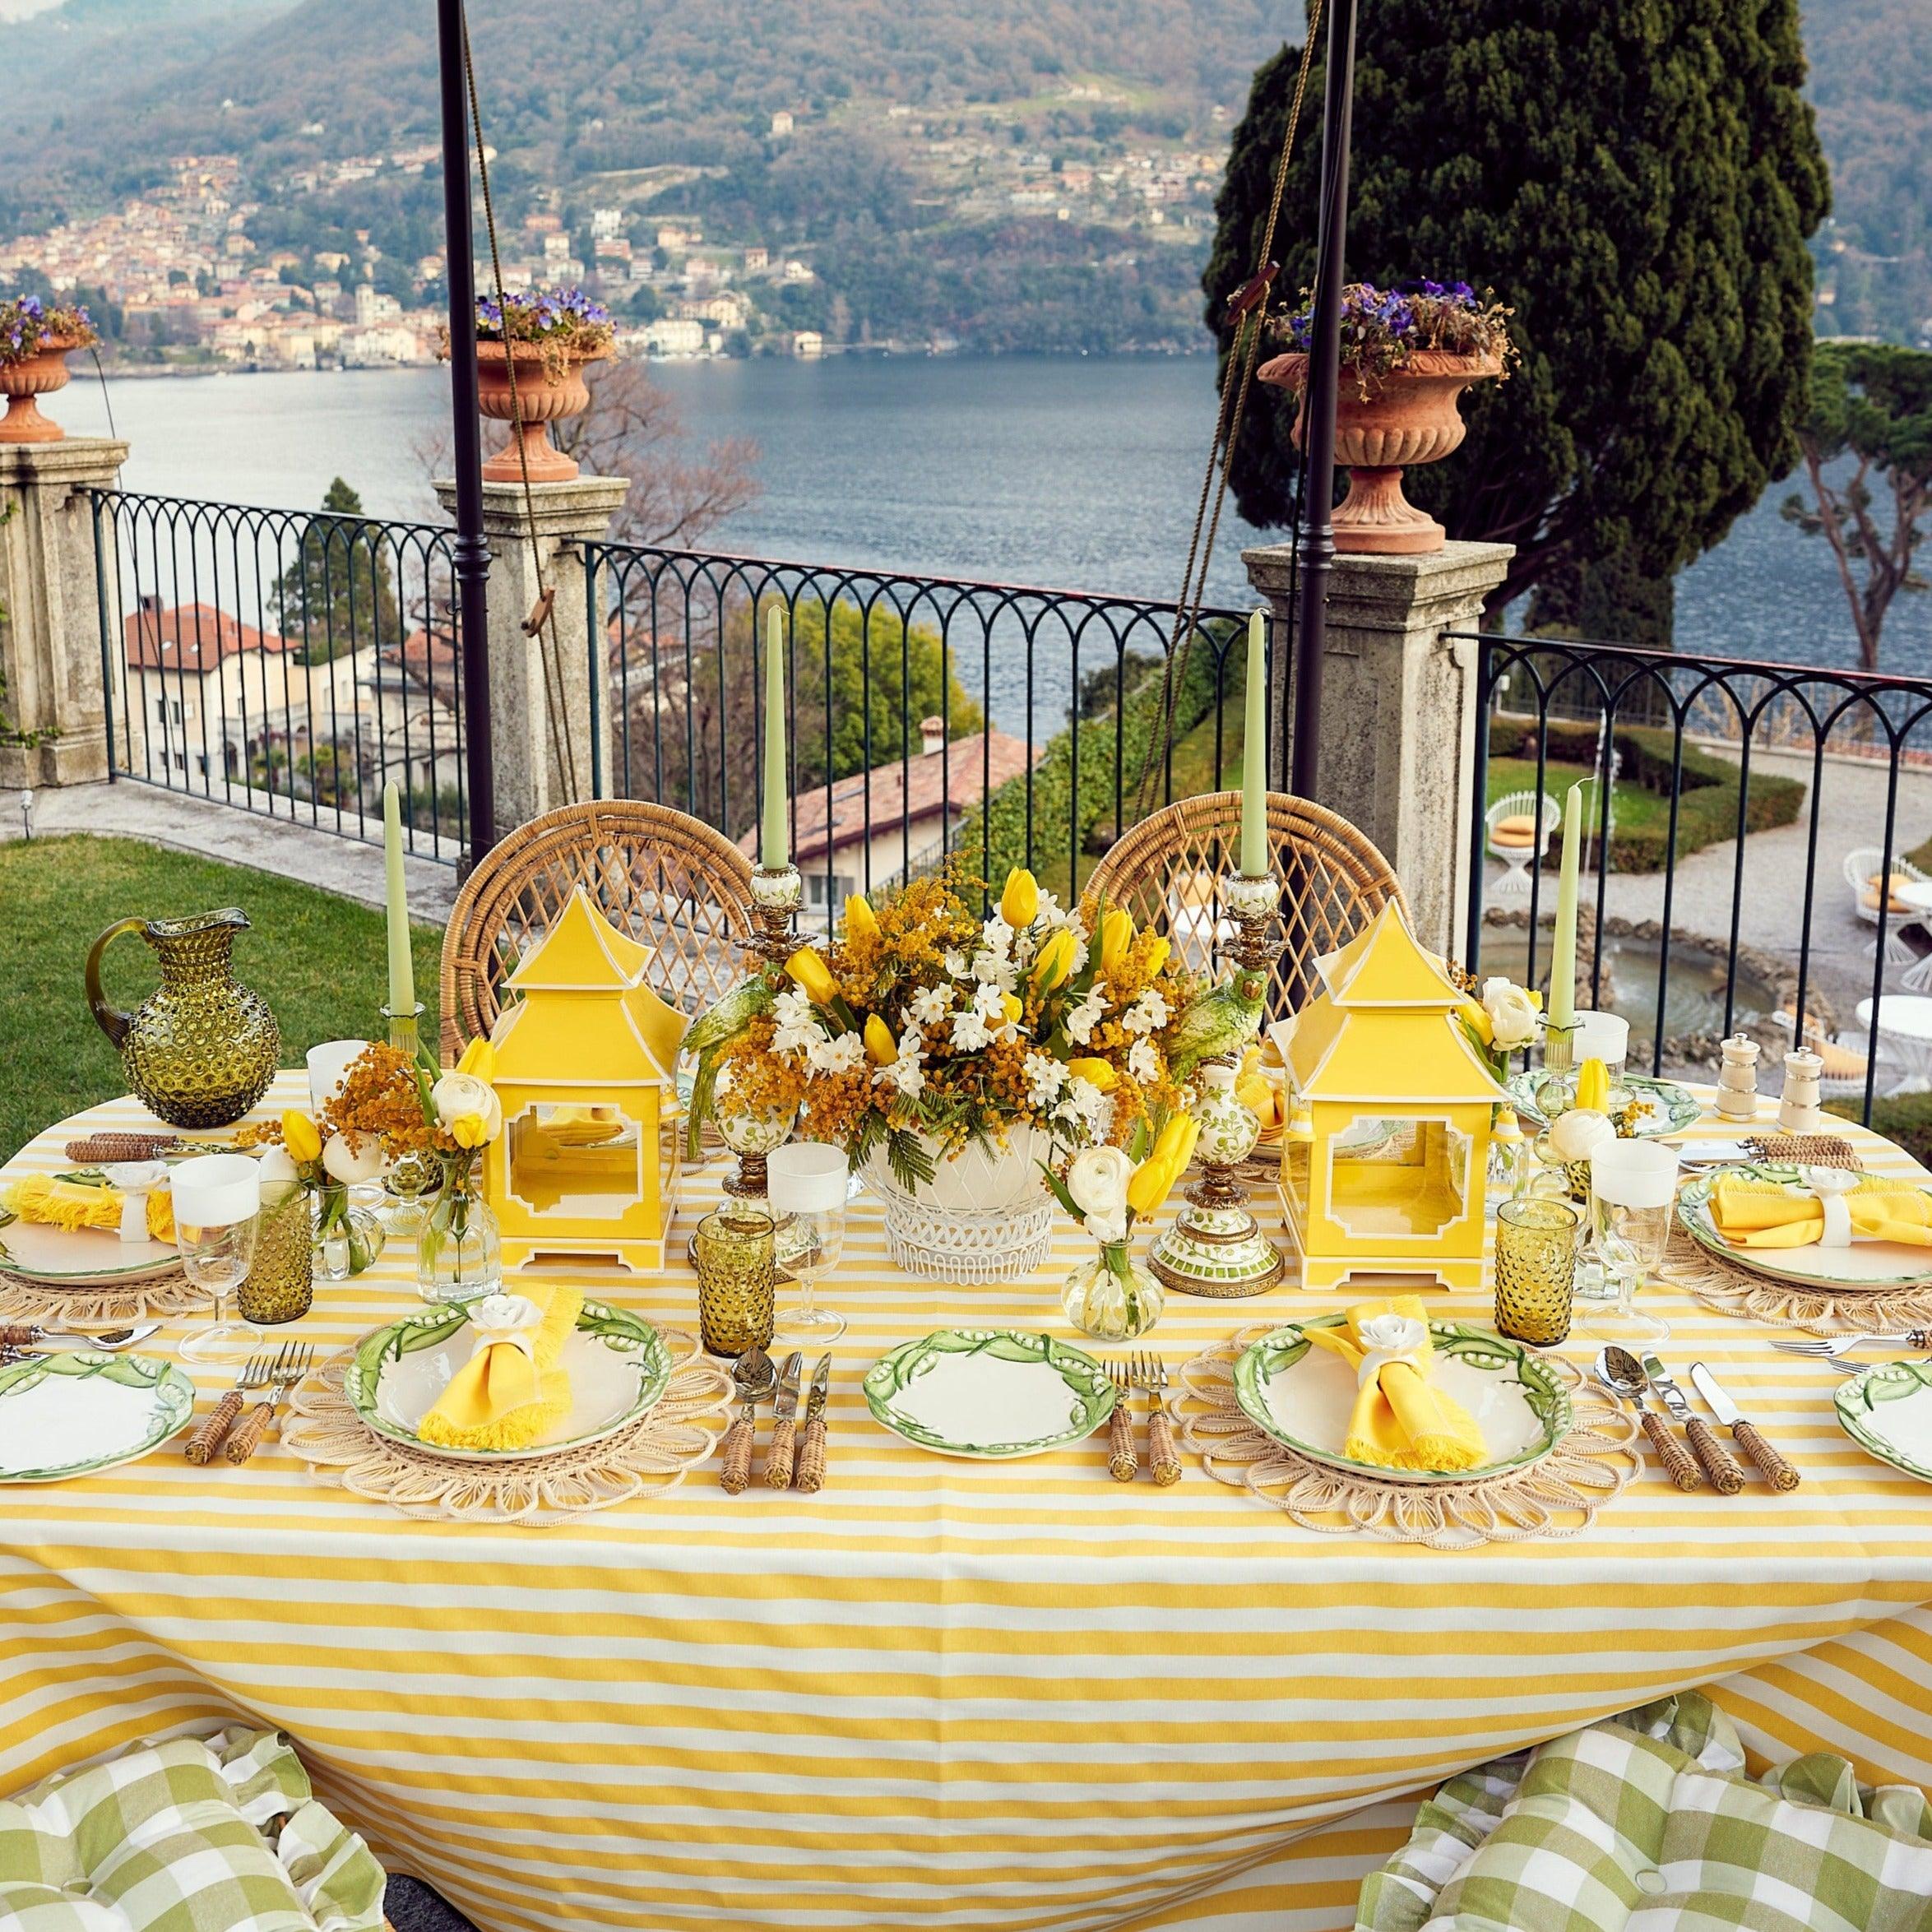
(339, 594)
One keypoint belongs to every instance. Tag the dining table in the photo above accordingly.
(1012, 1695)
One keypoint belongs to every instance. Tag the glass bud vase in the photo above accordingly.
(1114, 1297)
(459, 1254)
(281, 1287)
(347, 1238)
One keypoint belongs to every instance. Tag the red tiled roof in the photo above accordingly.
(192, 637)
(913, 791)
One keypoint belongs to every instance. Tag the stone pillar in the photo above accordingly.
(1399, 710)
(50, 648)
(532, 776)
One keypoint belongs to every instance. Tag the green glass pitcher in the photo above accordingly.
(201, 1050)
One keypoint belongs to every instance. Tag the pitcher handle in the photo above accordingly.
(113, 1021)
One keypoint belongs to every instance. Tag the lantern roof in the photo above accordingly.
(582, 952)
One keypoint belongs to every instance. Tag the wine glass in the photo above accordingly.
(805, 1184)
(217, 1204)
(1633, 1203)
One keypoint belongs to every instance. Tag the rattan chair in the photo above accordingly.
(668, 880)
(1166, 872)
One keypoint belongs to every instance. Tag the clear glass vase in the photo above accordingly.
(1114, 1297)
(459, 1253)
(347, 1238)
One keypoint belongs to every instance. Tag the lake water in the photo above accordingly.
(1073, 472)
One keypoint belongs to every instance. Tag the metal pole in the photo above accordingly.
(1316, 549)
(469, 551)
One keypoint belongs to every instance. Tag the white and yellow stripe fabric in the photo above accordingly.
(1012, 1696)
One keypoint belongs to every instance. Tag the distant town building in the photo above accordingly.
(809, 343)
(782, 123)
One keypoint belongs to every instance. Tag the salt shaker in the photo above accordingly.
(1737, 1079)
(1798, 1111)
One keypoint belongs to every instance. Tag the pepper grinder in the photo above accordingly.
(1798, 1111)
(1737, 1079)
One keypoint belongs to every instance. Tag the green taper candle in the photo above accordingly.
(771, 847)
(1563, 944)
(1254, 754)
(402, 973)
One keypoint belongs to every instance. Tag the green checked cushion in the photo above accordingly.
(1647, 1823)
(195, 1835)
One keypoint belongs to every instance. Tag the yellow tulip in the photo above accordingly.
(807, 967)
(1116, 936)
(469, 1130)
(1096, 1073)
(1149, 1185)
(1259, 1097)
(1019, 904)
(1475, 1016)
(1055, 960)
(301, 1138)
(1175, 1145)
(1593, 1087)
(861, 922)
(1009, 1004)
(1157, 951)
(479, 1057)
(1534, 997)
(881, 1049)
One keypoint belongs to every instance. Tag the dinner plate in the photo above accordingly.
(1303, 1397)
(55, 1258)
(1873, 1265)
(1672, 1108)
(619, 1366)
(72, 1414)
(1887, 1409)
(988, 1393)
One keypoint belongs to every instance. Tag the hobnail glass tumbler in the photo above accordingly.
(1537, 1240)
(735, 1251)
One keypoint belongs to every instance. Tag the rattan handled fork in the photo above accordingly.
(1163, 1463)
(1124, 1462)
(202, 1445)
(291, 1364)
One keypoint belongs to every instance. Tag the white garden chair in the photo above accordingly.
(1519, 827)
(1865, 873)
(1845, 1061)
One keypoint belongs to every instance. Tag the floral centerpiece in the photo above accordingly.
(951, 1055)
(530, 349)
(35, 339)
(347, 1240)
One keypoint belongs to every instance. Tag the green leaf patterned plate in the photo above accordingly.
(1874, 1266)
(1303, 1397)
(72, 1414)
(1887, 1409)
(619, 1366)
(1672, 1108)
(988, 1393)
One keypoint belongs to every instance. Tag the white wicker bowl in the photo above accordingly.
(984, 1217)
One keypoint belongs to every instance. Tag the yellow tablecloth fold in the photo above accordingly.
(1761, 1214)
(503, 1398)
(1402, 1421)
(74, 1205)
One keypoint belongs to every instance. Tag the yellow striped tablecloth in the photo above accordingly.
(1005, 1695)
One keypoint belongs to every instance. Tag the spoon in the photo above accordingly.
(109, 1340)
(755, 1378)
(1623, 1374)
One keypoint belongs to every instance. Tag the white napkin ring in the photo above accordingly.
(1378, 1358)
(134, 1181)
(1831, 1185)
(505, 1319)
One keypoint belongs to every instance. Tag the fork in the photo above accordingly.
(1124, 1462)
(291, 1364)
(1150, 1372)
(202, 1445)
(1830, 1347)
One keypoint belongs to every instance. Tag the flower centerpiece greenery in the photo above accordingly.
(1384, 330)
(1501, 1021)
(326, 1167)
(29, 328)
(562, 325)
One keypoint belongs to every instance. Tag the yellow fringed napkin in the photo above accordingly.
(507, 1395)
(1761, 1213)
(1401, 1420)
(74, 1205)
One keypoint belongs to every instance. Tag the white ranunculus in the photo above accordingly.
(1577, 1134)
(1512, 1020)
(468, 1108)
(352, 1157)
(275, 1167)
(1108, 1227)
(1096, 1180)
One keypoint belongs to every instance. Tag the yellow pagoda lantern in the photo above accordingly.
(587, 1164)
(1384, 1159)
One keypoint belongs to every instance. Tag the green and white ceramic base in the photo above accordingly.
(1303, 1397)
(1871, 1266)
(988, 1394)
(69, 1414)
(1887, 1409)
(1217, 1252)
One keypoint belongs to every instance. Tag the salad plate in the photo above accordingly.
(988, 1394)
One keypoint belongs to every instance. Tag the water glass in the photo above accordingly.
(1536, 1242)
(732, 1249)
(217, 1201)
(1632, 1204)
(1606, 1037)
(328, 1068)
(805, 1185)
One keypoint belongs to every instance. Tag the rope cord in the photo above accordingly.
(1235, 384)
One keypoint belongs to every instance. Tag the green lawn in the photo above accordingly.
(1632, 807)
(318, 960)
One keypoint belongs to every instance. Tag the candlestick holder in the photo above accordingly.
(1214, 1247)
(405, 1029)
(1556, 1089)
(777, 892)
(410, 1179)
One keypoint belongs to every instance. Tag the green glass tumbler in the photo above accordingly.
(735, 1250)
(281, 1287)
(1536, 1242)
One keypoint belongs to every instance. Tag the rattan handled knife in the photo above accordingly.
(1764, 1458)
(1713, 1458)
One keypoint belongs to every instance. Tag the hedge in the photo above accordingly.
(1707, 786)
(1905, 1118)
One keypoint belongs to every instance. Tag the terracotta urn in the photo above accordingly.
(1408, 416)
(545, 394)
(23, 382)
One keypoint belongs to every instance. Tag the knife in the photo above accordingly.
(778, 1458)
(1713, 1458)
(810, 1470)
(1772, 1466)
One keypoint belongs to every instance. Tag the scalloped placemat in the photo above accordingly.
(1727, 1289)
(1558, 1497)
(543, 1488)
(97, 1307)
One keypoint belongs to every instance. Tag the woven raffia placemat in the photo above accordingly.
(1729, 1289)
(543, 1488)
(1558, 1497)
(97, 1306)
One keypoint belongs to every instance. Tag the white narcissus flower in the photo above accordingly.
(1148, 1014)
(1143, 1063)
(1512, 1018)
(1046, 1076)
(970, 1030)
(837, 1056)
(955, 962)
(930, 1004)
(352, 1157)
(1096, 1181)
(468, 1108)
(1081, 1020)
(995, 970)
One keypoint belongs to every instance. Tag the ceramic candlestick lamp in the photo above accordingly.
(1737, 1079)
(1214, 1246)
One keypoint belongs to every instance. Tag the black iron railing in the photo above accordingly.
(925, 715)
(1748, 833)
(289, 663)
